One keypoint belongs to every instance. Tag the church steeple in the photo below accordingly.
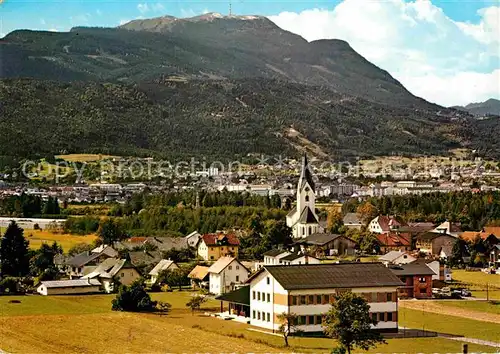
(306, 175)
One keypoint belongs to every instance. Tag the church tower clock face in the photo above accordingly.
(307, 189)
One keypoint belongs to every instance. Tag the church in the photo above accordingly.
(302, 218)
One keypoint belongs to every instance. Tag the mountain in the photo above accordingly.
(212, 86)
(489, 107)
(205, 47)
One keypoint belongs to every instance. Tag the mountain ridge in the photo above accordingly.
(489, 107)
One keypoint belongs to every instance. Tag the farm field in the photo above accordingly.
(480, 306)
(477, 281)
(37, 237)
(47, 324)
(84, 157)
(431, 321)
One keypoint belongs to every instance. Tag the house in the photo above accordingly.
(302, 219)
(308, 290)
(448, 228)
(226, 274)
(489, 239)
(326, 244)
(192, 239)
(105, 249)
(417, 279)
(384, 224)
(352, 221)
(495, 230)
(213, 246)
(441, 271)
(164, 264)
(273, 256)
(67, 287)
(417, 227)
(199, 277)
(437, 244)
(238, 303)
(299, 258)
(161, 244)
(396, 257)
(393, 241)
(114, 270)
(143, 259)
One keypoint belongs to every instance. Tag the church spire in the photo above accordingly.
(306, 174)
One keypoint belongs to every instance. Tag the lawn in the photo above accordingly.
(448, 324)
(481, 306)
(37, 237)
(84, 157)
(85, 324)
(477, 281)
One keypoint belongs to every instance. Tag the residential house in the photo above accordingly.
(326, 244)
(299, 258)
(441, 271)
(144, 259)
(308, 291)
(74, 266)
(384, 224)
(68, 287)
(211, 247)
(393, 241)
(489, 239)
(448, 228)
(417, 279)
(192, 239)
(495, 230)
(226, 274)
(397, 257)
(199, 277)
(161, 244)
(495, 257)
(302, 219)
(164, 264)
(436, 244)
(273, 256)
(105, 249)
(114, 270)
(352, 221)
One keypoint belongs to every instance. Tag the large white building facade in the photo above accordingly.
(309, 290)
(302, 218)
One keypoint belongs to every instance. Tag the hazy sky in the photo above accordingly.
(447, 52)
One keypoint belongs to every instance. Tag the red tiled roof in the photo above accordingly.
(137, 239)
(220, 239)
(495, 230)
(394, 239)
(386, 222)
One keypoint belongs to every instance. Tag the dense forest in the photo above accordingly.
(472, 210)
(27, 205)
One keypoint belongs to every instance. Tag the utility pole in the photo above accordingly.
(487, 293)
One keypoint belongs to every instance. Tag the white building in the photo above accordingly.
(284, 257)
(308, 290)
(226, 275)
(302, 218)
(164, 264)
(67, 287)
(397, 257)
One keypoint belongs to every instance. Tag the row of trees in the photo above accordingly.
(472, 210)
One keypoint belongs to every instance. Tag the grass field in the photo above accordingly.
(481, 306)
(448, 324)
(477, 281)
(37, 237)
(84, 157)
(85, 324)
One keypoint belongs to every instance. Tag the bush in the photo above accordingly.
(134, 298)
(9, 285)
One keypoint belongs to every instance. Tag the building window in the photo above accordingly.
(318, 299)
(211, 248)
(237, 267)
(268, 297)
(389, 316)
(258, 315)
(382, 316)
(295, 300)
(374, 297)
(374, 316)
(310, 320)
(268, 281)
(258, 295)
(211, 257)
(268, 317)
(302, 320)
(237, 278)
(307, 198)
(230, 267)
(311, 300)
(319, 319)
(253, 296)
(302, 299)
(253, 314)
(421, 279)
(123, 274)
(326, 299)
(389, 297)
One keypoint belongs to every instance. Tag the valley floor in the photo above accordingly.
(86, 324)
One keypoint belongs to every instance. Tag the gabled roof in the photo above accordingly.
(109, 268)
(82, 259)
(307, 217)
(386, 222)
(472, 235)
(198, 272)
(70, 283)
(429, 236)
(393, 239)
(352, 218)
(495, 230)
(275, 252)
(412, 269)
(294, 256)
(306, 175)
(331, 276)
(220, 239)
(320, 239)
(239, 296)
(391, 256)
(222, 263)
(139, 258)
(292, 212)
(163, 265)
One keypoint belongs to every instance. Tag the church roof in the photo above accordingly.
(307, 217)
(306, 175)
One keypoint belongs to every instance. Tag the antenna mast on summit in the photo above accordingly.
(230, 9)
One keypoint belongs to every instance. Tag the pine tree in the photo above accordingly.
(14, 259)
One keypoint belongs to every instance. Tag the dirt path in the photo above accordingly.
(434, 307)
